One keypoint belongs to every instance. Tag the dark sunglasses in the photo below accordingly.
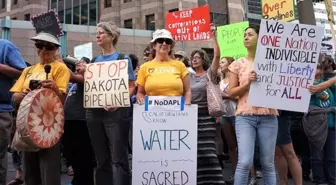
(146, 54)
(45, 45)
(161, 40)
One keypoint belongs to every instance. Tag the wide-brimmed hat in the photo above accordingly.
(181, 53)
(47, 38)
(162, 33)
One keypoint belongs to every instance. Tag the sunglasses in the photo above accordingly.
(146, 54)
(162, 40)
(45, 45)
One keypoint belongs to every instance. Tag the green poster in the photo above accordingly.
(230, 38)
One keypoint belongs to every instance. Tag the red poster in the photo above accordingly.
(189, 25)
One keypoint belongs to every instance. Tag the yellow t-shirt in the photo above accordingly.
(162, 78)
(59, 73)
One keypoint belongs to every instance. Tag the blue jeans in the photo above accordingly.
(323, 161)
(265, 129)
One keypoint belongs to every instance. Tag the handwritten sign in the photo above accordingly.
(230, 38)
(188, 25)
(106, 84)
(327, 46)
(84, 50)
(282, 10)
(285, 63)
(165, 144)
(47, 22)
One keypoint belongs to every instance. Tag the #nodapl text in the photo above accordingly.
(166, 102)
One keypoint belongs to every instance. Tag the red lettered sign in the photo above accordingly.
(187, 25)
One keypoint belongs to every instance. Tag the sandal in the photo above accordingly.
(16, 181)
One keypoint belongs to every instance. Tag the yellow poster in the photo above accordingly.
(279, 10)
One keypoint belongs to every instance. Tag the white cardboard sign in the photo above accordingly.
(165, 144)
(285, 63)
(106, 84)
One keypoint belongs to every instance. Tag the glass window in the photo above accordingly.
(3, 4)
(173, 10)
(150, 22)
(108, 3)
(218, 18)
(209, 52)
(60, 16)
(84, 11)
(255, 22)
(128, 24)
(80, 14)
(27, 17)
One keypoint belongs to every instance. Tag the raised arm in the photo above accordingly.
(215, 62)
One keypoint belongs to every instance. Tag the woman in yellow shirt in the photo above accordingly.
(42, 167)
(163, 76)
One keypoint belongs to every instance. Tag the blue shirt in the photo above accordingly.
(114, 56)
(10, 56)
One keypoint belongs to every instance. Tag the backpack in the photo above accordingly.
(120, 57)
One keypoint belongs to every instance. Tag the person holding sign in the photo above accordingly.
(208, 168)
(252, 122)
(163, 76)
(109, 127)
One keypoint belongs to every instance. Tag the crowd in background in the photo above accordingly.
(97, 144)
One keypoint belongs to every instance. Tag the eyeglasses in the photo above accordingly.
(196, 58)
(45, 45)
(161, 40)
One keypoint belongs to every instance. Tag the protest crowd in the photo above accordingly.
(94, 136)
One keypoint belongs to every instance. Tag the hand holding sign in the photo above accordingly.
(213, 29)
(252, 76)
(140, 99)
(110, 108)
(81, 68)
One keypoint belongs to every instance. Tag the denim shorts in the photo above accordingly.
(284, 131)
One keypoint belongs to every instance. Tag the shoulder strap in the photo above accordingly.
(93, 60)
(121, 56)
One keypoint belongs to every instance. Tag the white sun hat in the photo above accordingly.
(42, 36)
(162, 33)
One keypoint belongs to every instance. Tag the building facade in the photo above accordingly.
(137, 18)
(321, 16)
